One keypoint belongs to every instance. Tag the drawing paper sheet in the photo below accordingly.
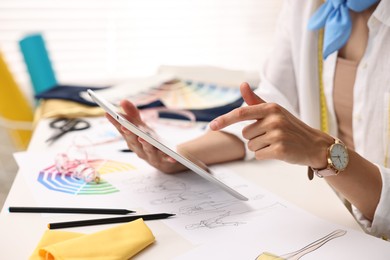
(202, 209)
(288, 236)
(222, 226)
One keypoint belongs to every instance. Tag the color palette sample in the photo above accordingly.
(188, 95)
(52, 179)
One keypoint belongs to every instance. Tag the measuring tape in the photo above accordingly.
(323, 108)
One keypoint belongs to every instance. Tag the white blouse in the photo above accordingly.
(290, 78)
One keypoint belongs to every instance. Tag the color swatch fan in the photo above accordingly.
(179, 94)
(54, 180)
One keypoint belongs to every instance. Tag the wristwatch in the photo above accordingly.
(337, 158)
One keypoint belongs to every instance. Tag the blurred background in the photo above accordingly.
(98, 42)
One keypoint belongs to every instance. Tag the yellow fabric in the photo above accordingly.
(52, 237)
(120, 242)
(16, 114)
(63, 108)
(269, 256)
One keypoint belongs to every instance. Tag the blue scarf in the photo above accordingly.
(334, 16)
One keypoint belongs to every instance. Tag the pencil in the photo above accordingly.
(102, 221)
(70, 210)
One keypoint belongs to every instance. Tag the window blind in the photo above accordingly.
(99, 41)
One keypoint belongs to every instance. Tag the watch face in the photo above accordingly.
(339, 156)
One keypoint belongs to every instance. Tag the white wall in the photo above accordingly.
(103, 41)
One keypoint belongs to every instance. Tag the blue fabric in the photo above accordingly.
(333, 15)
(203, 115)
(38, 63)
(72, 93)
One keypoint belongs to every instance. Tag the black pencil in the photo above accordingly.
(102, 221)
(70, 210)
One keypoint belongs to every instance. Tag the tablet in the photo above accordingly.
(188, 161)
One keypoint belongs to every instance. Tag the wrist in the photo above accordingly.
(319, 153)
(337, 159)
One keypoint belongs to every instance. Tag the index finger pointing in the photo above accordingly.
(253, 112)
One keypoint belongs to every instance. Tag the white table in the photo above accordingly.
(20, 233)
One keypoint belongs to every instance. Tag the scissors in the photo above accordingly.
(65, 125)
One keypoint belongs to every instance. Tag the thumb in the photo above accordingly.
(249, 96)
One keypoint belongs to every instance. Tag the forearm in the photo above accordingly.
(215, 147)
(360, 184)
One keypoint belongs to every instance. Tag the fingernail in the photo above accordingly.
(214, 125)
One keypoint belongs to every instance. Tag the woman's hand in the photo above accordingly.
(143, 149)
(276, 133)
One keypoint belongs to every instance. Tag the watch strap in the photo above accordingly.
(310, 173)
(325, 172)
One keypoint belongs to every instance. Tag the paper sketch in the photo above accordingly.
(175, 190)
(206, 207)
(214, 222)
(219, 220)
(200, 206)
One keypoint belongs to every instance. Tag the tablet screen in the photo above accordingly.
(186, 159)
